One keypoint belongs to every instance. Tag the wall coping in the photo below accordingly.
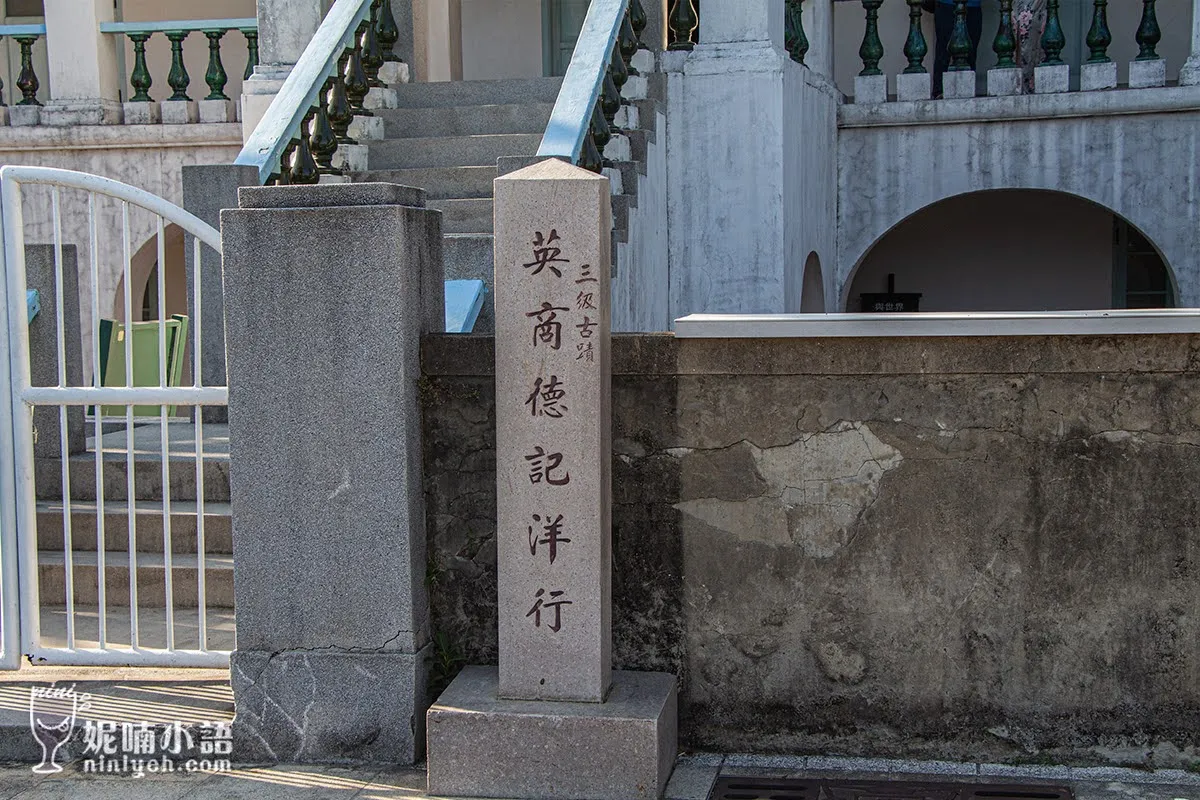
(1065, 105)
(963, 324)
(119, 137)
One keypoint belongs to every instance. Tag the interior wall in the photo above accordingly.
(501, 39)
(234, 50)
(997, 251)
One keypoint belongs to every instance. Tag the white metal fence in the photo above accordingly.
(82, 604)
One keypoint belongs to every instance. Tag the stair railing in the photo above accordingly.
(584, 118)
(295, 143)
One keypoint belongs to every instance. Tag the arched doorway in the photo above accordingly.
(812, 297)
(144, 266)
(1016, 250)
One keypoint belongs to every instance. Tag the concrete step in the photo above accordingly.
(151, 578)
(478, 93)
(148, 483)
(465, 216)
(439, 183)
(470, 257)
(218, 526)
(450, 151)
(526, 117)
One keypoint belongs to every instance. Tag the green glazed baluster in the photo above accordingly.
(389, 32)
(620, 74)
(960, 39)
(285, 164)
(356, 81)
(215, 77)
(252, 51)
(1099, 37)
(871, 50)
(372, 54)
(304, 167)
(628, 44)
(637, 16)
(915, 47)
(793, 34)
(610, 98)
(27, 81)
(2, 103)
(324, 141)
(1005, 45)
(601, 133)
(590, 158)
(1053, 40)
(140, 78)
(1148, 34)
(178, 78)
(341, 114)
(683, 23)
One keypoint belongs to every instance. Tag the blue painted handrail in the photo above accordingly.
(33, 303)
(23, 30)
(301, 91)
(571, 119)
(239, 23)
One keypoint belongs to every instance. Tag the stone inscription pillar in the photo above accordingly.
(553, 434)
(554, 720)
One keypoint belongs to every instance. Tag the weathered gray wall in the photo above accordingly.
(953, 548)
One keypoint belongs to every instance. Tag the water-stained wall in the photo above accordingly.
(966, 548)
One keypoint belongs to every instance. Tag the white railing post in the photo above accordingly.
(1189, 75)
(285, 28)
(84, 78)
(818, 25)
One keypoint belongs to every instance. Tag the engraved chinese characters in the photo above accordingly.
(553, 224)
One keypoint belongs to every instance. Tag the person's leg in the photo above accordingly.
(943, 25)
(975, 30)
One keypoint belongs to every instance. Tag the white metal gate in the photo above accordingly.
(97, 579)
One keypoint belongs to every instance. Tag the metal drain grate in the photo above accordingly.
(749, 788)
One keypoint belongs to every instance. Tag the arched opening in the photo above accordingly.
(812, 297)
(1015, 250)
(144, 267)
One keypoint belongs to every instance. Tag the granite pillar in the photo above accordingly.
(84, 78)
(554, 721)
(43, 348)
(207, 191)
(327, 292)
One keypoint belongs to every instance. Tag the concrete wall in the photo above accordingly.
(641, 285)
(964, 548)
(501, 39)
(150, 157)
(1109, 148)
(1174, 18)
(997, 251)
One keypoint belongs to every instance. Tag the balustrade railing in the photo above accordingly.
(314, 113)
(177, 32)
(26, 36)
(1051, 42)
(584, 118)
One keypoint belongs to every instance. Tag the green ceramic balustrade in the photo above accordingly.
(1099, 37)
(1053, 39)
(26, 36)
(683, 23)
(794, 38)
(960, 39)
(1005, 45)
(177, 33)
(915, 47)
(1148, 33)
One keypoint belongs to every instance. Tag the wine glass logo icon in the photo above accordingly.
(52, 714)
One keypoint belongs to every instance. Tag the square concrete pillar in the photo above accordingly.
(40, 274)
(870, 89)
(1097, 77)
(1052, 79)
(1147, 74)
(327, 292)
(84, 78)
(958, 85)
(1004, 82)
(917, 86)
(727, 21)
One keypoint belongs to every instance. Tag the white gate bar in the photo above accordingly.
(130, 469)
(121, 395)
(124, 657)
(165, 437)
(64, 441)
(10, 636)
(98, 419)
(198, 416)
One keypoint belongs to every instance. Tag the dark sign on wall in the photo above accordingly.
(891, 301)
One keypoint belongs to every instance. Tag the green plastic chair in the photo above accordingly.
(145, 358)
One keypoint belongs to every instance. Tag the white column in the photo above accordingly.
(1190, 74)
(285, 28)
(818, 26)
(730, 21)
(443, 37)
(84, 79)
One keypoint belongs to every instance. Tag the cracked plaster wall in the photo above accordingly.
(943, 548)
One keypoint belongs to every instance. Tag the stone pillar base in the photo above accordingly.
(870, 89)
(381, 98)
(351, 157)
(180, 112)
(958, 85)
(1052, 80)
(1097, 77)
(68, 113)
(258, 92)
(1003, 82)
(24, 116)
(394, 73)
(1146, 74)
(218, 111)
(1189, 74)
(914, 86)
(366, 129)
(304, 707)
(143, 113)
(482, 746)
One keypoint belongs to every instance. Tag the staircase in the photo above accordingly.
(448, 137)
